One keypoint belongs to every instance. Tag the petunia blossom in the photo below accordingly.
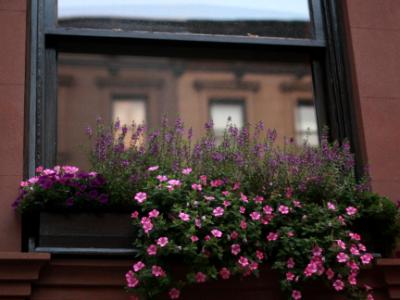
(157, 271)
(338, 285)
(131, 280)
(152, 250)
(351, 211)
(140, 197)
(218, 212)
(200, 277)
(216, 233)
(174, 293)
(138, 266)
(342, 257)
(162, 241)
(224, 273)
(235, 249)
(296, 295)
(184, 217)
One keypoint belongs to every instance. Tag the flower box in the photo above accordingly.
(83, 233)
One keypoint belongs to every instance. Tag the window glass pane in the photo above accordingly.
(283, 18)
(135, 88)
(306, 125)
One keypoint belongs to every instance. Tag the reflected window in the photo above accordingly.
(306, 123)
(224, 112)
(284, 18)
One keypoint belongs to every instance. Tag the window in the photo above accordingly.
(197, 59)
(306, 123)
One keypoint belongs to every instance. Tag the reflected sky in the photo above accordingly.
(220, 10)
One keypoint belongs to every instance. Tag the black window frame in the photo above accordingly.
(327, 52)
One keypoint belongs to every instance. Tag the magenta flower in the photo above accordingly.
(355, 236)
(184, 217)
(253, 266)
(290, 263)
(235, 249)
(366, 258)
(351, 210)
(268, 210)
(140, 197)
(138, 266)
(224, 273)
(258, 199)
(330, 274)
(290, 276)
(162, 178)
(153, 168)
(203, 179)
(157, 271)
(154, 213)
(194, 238)
(354, 250)
(242, 209)
(146, 224)
(341, 244)
(197, 223)
(186, 171)
(352, 279)
(338, 285)
(296, 295)
(283, 209)
(342, 257)
(244, 198)
(311, 268)
(209, 198)
(200, 277)
(216, 233)
(162, 241)
(227, 203)
(331, 206)
(353, 265)
(255, 216)
(218, 212)
(259, 255)
(174, 293)
(216, 183)
(272, 236)
(196, 187)
(234, 235)
(70, 170)
(225, 193)
(135, 215)
(131, 280)
(243, 224)
(243, 261)
(317, 251)
(236, 186)
(361, 247)
(152, 250)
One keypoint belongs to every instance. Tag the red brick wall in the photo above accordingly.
(12, 88)
(374, 32)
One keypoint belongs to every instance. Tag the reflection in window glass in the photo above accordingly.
(147, 88)
(284, 18)
(306, 125)
(224, 111)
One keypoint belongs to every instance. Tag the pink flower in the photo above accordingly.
(197, 223)
(268, 210)
(244, 198)
(227, 203)
(366, 258)
(140, 197)
(184, 217)
(290, 234)
(234, 235)
(341, 244)
(131, 280)
(236, 186)
(23, 184)
(354, 236)
(33, 180)
(216, 233)
(352, 279)
(258, 199)
(283, 209)
(354, 250)
(200, 277)
(194, 238)
(216, 183)
(186, 171)
(370, 297)
(174, 182)
(259, 255)
(207, 238)
(157, 271)
(290, 276)
(272, 236)
(243, 224)
(255, 216)
(351, 210)
(162, 178)
(152, 250)
(342, 257)
(361, 247)
(153, 168)
(224, 273)
(296, 294)
(218, 211)
(235, 249)
(154, 213)
(243, 261)
(162, 241)
(353, 265)
(296, 203)
(330, 274)
(290, 263)
(203, 179)
(209, 198)
(253, 266)
(338, 285)
(341, 220)
(317, 251)
(331, 206)
(225, 193)
(174, 293)
(242, 209)
(311, 268)
(70, 169)
(196, 187)
(138, 266)
(146, 224)
(135, 215)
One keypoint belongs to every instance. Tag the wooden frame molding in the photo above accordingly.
(18, 271)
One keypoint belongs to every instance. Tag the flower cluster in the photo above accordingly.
(62, 187)
(218, 230)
